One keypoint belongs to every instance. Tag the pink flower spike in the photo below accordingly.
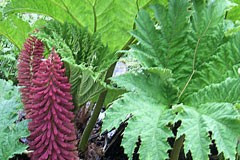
(52, 102)
(29, 62)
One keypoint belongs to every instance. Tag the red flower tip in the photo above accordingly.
(29, 60)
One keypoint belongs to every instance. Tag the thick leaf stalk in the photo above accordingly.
(53, 134)
(29, 61)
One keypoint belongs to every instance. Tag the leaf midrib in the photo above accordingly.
(194, 59)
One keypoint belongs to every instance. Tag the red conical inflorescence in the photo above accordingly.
(29, 61)
(52, 133)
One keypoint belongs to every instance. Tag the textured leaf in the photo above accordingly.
(186, 47)
(15, 29)
(189, 39)
(226, 91)
(86, 58)
(57, 42)
(209, 47)
(167, 41)
(148, 110)
(212, 111)
(154, 43)
(220, 66)
(108, 17)
(221, 119)
(77, 45)
(83, 85)
(10, 131)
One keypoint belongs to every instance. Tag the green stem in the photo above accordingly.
(91, 123)
(95, 17)
(177, 148)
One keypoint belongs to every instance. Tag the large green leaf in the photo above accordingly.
(15, 29)
(155, 45)
(223, 64)
(221, 119)
(112, 18)
(10, 130)
(148, 110)
(186, 46)
(209, 48)
(212, 110)
(189, 39)
(163, 43)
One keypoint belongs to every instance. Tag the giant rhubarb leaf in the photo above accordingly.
(108, 17)
(220, 119)
(148, 106)
(77, 45)
(15, 29)
(187, 38)
(52, 131)
(85, 58)
(211, 109)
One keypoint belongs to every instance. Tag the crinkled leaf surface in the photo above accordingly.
(10, 131)
(221, 119)
(76, 45)
(148, 109)
(84, 85)
(212, 110)
(204, 62)
(185, 46)
(86, 59)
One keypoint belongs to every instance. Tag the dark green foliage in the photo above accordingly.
(85, 49)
